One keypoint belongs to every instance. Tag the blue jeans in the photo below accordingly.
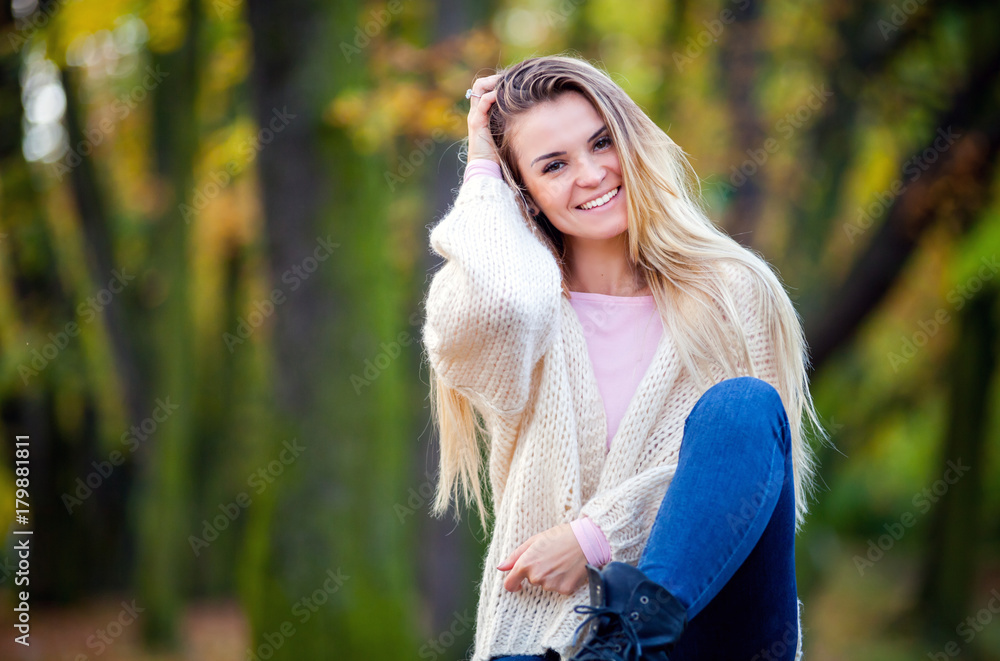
(723, 541)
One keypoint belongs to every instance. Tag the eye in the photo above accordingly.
(601, 144)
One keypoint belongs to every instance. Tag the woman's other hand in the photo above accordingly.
(481, 143)
(552, 560)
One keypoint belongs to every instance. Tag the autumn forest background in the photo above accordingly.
(213, 255)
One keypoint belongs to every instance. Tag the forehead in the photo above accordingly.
(558, 125)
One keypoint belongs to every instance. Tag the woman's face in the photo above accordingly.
(568, 162)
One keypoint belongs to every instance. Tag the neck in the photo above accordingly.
(602, 267)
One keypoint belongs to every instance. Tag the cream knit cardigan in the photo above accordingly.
(499, 330)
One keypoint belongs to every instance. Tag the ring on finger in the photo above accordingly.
(469, 93)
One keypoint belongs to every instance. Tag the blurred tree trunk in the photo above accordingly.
(830, 147)
(739, 64)
(449, 563)
(328, 570)
(948, 578)
(95, 527)
(957, 185)
(164, 512)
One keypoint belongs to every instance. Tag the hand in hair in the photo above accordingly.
(481, 143)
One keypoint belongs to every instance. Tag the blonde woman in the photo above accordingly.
(633, 377)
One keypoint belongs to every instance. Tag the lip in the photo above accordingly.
(597, 197)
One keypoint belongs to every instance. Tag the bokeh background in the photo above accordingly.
(213, 253)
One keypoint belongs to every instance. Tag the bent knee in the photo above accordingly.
(739, 396)
(747, 388)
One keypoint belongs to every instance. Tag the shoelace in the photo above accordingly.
(621, 642)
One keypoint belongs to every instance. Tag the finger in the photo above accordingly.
(514, 580)
(481, 104)
(485, 83)
(513, 557)
(511, 562)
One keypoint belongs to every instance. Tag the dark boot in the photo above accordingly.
(631, 617)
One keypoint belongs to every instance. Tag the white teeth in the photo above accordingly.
(601, 201)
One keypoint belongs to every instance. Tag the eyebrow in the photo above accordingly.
(560, 153)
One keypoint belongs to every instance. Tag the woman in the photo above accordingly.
(609, 342)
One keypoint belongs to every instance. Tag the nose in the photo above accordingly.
(591, 173)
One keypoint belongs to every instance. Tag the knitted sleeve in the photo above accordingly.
(492, 309)
(626, 513)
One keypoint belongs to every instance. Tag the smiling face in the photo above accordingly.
(571, 169)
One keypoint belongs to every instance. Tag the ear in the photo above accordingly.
(532, 207)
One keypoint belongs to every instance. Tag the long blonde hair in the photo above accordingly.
(672, 242)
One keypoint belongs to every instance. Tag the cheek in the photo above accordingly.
(547, 196)
(563, 228)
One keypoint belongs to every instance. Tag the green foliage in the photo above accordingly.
(173, 181)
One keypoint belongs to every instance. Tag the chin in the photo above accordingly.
(616, 230)
(608, 229)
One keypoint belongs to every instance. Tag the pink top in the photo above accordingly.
(622, 334)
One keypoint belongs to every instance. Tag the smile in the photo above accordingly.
(601, 201)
